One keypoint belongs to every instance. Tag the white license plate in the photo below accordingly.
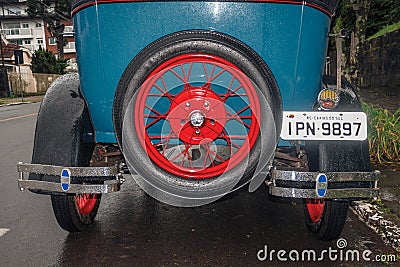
(314, 125)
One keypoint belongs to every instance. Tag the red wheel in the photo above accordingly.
(193, 106)
(86, 203)
(315, 208)
(196, 114)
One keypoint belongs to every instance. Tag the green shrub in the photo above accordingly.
(383, 134)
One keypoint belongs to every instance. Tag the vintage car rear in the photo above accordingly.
(201, 99)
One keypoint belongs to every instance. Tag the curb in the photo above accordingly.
(375, 218)
(16, 103)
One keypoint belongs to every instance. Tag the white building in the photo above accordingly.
(18, 28)
(31, 33)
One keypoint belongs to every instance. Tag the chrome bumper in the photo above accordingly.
(64, 179)
(295, 184)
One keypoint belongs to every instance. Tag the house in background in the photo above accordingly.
(20, 75)
(31, 33)
(69, 41)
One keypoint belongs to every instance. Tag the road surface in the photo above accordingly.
(132, 229)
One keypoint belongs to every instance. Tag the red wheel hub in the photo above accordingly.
(85, 203)
(315, 208)
(196, 116)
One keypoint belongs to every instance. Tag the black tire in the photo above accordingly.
(175, 45)
(330, 226)
(345, 156)
(64, 137)
(69, 217)
(66, 210)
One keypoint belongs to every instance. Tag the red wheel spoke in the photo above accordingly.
(238, 118)
(205, 70)
(186, 154)
(243, 110)
(170, 136)
(187, 146)
(163, 139)
(178, 76)
(155, 121)
(230, 92)
(153, 110)
(157, 95)
(211, 77)
(216, 155)
(188, 73)
(230, 84)
(224, 136)
(159, 88)
(216, 76)
(222, 96)
(185, 77)
(211, 74)
(245, 117)
(206, 157)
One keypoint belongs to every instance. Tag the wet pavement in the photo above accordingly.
(133, 229)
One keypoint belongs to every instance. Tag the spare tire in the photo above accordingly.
(197, 115)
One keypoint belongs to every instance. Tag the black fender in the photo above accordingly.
(64, 133)
(346, 156)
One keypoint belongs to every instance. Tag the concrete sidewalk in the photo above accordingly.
(383, 214)
(20, 100)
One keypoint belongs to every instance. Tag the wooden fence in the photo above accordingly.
(36, 83)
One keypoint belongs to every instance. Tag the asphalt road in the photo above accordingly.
(132, 229)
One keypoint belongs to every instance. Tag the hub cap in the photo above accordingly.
(197, 118)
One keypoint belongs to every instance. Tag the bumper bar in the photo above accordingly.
(66, 176)
(295, 184)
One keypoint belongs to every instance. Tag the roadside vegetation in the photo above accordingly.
(383, 134)
(386, 30)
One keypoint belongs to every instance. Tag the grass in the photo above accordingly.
(383, 134)
(387, 29)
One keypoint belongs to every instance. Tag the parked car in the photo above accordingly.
(197, 99)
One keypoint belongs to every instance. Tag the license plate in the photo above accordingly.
(314, 125)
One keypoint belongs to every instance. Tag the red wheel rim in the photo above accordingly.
(85, 203)
(315, 208)
(196, 116)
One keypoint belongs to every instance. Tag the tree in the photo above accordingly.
(382, 13)
(43, 61)
(52, 12)
(363, 18)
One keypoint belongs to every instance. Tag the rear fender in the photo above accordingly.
(64, 133)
